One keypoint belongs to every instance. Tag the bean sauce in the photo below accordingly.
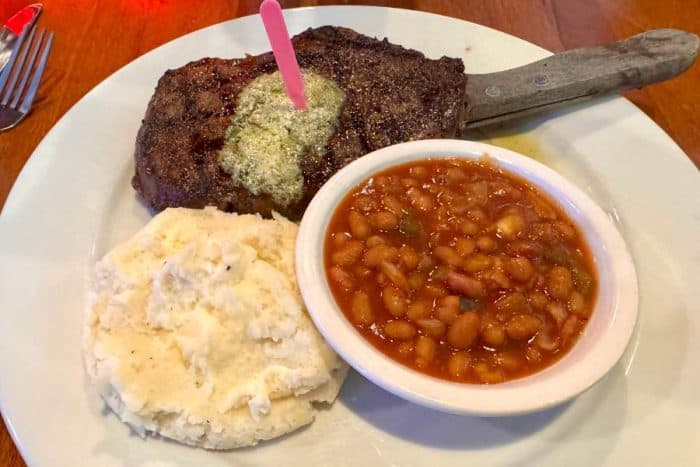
(460, 270)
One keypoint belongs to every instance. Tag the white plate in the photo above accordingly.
(73, 201)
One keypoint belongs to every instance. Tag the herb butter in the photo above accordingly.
(268, 136)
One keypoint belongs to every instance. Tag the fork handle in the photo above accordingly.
(579, 74)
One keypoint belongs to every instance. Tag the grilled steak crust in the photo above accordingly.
(392, 95)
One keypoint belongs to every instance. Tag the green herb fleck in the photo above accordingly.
(468, 304)
(559, 255)
(410, 226)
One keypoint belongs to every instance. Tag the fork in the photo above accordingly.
(5, 46)
(20, 78)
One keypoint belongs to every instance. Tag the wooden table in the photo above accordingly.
(94, 38)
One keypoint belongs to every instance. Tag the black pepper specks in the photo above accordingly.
(393, 95)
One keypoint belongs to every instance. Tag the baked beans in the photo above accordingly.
(460, 270)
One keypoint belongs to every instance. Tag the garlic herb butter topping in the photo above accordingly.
(268, 136)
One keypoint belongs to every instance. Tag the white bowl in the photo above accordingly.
(597, 350)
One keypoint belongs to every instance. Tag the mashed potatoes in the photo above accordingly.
(196, 330)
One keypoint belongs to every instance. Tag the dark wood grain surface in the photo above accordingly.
(94, 38)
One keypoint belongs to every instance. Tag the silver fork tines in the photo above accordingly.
(15, 78)
(27, 69)
(18, 67)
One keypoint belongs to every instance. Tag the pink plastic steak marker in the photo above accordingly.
(276, 29)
